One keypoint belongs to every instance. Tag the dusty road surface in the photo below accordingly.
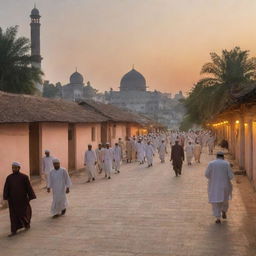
(142, 212)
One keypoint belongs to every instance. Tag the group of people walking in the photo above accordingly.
(105, 159)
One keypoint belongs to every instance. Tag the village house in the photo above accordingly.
(30, 124)
(237, 125)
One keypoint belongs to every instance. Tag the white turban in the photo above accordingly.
(16, 164)
(47, 151)
(56, 160)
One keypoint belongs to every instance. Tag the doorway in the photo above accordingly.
(71, 147)
(34, 157)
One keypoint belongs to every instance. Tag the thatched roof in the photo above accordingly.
(117, 114)
(18, 108)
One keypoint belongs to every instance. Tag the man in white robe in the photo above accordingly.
(108, 159)
(99, 155)
(210, 143)
(47, 166)
(197, 151)
(149, 154)
(122, 147)
(140, 148)
(219, 175)
(90, 161)
(189, 150)
(162, 150)
(117, 154)
(60, 182)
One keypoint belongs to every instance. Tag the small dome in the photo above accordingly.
(76, 78)
(133, 81)
(35, 12)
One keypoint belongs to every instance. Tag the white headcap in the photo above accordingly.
(107, 143)
(56, 160)
(47, 151)
(16, 164)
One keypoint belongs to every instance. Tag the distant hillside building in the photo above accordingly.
(133, 95)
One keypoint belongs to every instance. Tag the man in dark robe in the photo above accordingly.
(177, 158)
(18, 191)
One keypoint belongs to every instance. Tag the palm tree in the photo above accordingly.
(231, 68)
(16, 73)
(230, 73)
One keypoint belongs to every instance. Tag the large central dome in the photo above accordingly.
(133, 81)
(76, 78)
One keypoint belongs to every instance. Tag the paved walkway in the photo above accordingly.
(142, 212)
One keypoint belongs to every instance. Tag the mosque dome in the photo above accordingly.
(133, 81)
(35, 12)
(76, 78)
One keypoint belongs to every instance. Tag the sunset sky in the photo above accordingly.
(167, 40)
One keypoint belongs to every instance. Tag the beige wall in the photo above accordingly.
(54, 137)
(83, 138)
(14, 146)
(120, 133)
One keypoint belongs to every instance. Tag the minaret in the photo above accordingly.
(35, 37)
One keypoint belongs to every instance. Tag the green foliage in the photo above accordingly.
(16, 73)
(212, 94)
(50, 90)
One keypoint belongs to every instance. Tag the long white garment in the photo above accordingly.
(117, 155)
(162, 151)
(149, 154)
(189, 149)
(47, 166)
(99, 155)
(140, 148)
(219, 175)
(108, 160)
(58, 181)
(90, 159)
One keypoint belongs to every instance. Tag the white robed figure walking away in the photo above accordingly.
(117, 154)
(219, 175)
(108, 158)
(90, 161)
(140, 148)
(99, 155)
(162, 151)
(47, 166)
(197, 151)
(149, 154)
(60, 182)
(189, 150)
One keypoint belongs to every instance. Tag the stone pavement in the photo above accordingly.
(142, 212)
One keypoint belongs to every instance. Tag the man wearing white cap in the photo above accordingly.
(18, 191)
(47, 165)
(219, 175)
(59, 181)
(90, 161)
(162, 151)
(108, 158)
(117, 153)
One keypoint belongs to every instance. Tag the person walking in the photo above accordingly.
(219, 175)
(18, 192)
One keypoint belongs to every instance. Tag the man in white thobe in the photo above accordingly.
(210, 143)
(117, 154)
(47, 166)
(140, 148)
(108, 158)
(162, 150)
(60, 182)
(99, 155)
(122, 147)
(189, 150)
(90, 161)
(219, 175)
(149, 154)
